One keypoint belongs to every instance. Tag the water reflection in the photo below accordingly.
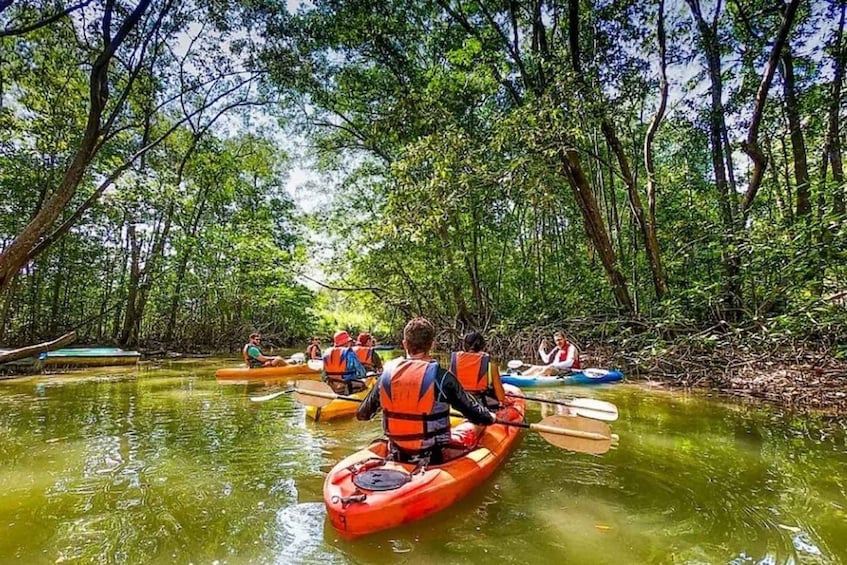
(167, 465)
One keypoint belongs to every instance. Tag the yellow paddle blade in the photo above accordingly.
(575, 433)
(313, 393)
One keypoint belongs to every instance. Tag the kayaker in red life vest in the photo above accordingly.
(253, 356)
(366, 353)
(415, 395)
(560, 360)
(475, 371)
(314, 349)
(342, 370)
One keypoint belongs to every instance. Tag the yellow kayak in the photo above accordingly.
(340, 408)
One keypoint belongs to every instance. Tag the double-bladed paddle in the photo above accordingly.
(587, 407)
(573, 433)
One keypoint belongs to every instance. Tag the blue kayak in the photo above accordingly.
(583, 377)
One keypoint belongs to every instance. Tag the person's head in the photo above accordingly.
(364, 340)
(316, 340)
(342, 339)
(560, 339)
(473, 342)
(255, 338)
(418, 336)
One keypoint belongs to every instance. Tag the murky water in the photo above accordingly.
(165, 465)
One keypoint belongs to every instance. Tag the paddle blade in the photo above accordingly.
(596, 409)
(575, 433)
(515, 364)
(313, 393)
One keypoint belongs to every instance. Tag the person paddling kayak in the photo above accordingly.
(558, 361)
(415, 395)
(253, 356)
(342, 370)
(366, 352)
(475, 371)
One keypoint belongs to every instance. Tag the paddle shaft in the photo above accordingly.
(333, 396)
(560, 403)
(554, 430)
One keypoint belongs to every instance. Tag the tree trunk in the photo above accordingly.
(832, 146)
(798, 144)
(30, 350)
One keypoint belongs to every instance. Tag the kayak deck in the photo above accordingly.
(355, 511)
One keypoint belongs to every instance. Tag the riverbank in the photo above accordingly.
(805, 378)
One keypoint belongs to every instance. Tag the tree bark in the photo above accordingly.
(798, 143)
(832, 146)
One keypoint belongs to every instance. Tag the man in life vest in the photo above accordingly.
(253, 356)
(314, 349)
(366, 353)
(476, 373)
(561, 360)
(342, 370)
(415, 395)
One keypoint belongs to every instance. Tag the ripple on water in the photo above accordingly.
(299, 535)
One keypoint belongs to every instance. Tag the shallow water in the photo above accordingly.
(162, 464)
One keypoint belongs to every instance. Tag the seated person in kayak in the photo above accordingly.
(314, 349)
(253, 356)
(561, 360)
(366, 353)
(476, 373)
(342, 370)
(415, 395)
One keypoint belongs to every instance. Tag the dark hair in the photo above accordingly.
(419, 334)
(473, 341)
(254, 335)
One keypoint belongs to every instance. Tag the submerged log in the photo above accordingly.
(31, 350)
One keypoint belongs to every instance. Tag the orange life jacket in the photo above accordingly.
(365, 355)
(412, 419)
(471, 369)
(251, 362)
(336, 366)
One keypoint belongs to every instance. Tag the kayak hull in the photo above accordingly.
(91, 356)
(426, 493)
(339, 408)
(584, 377)
(312, 368)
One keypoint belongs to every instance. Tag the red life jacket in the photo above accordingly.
(559, 355)
(471, 369)
(251, 362)
(365, 355)
(336, 366)
(412, 418)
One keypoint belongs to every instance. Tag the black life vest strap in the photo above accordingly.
(417, 417)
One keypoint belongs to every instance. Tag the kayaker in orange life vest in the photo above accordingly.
(475, 371)
(366, 353)
(415, 395)
(342, 370)
(314, 349)
(253, 356)
(560, 360)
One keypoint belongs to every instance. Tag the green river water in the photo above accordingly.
(161, 464)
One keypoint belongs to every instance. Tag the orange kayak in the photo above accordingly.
(305, 370)
(354, 490)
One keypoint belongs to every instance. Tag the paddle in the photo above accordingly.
(573, 433)
(270, 396)
(570, 432)
(587, 407)
(321, 387)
